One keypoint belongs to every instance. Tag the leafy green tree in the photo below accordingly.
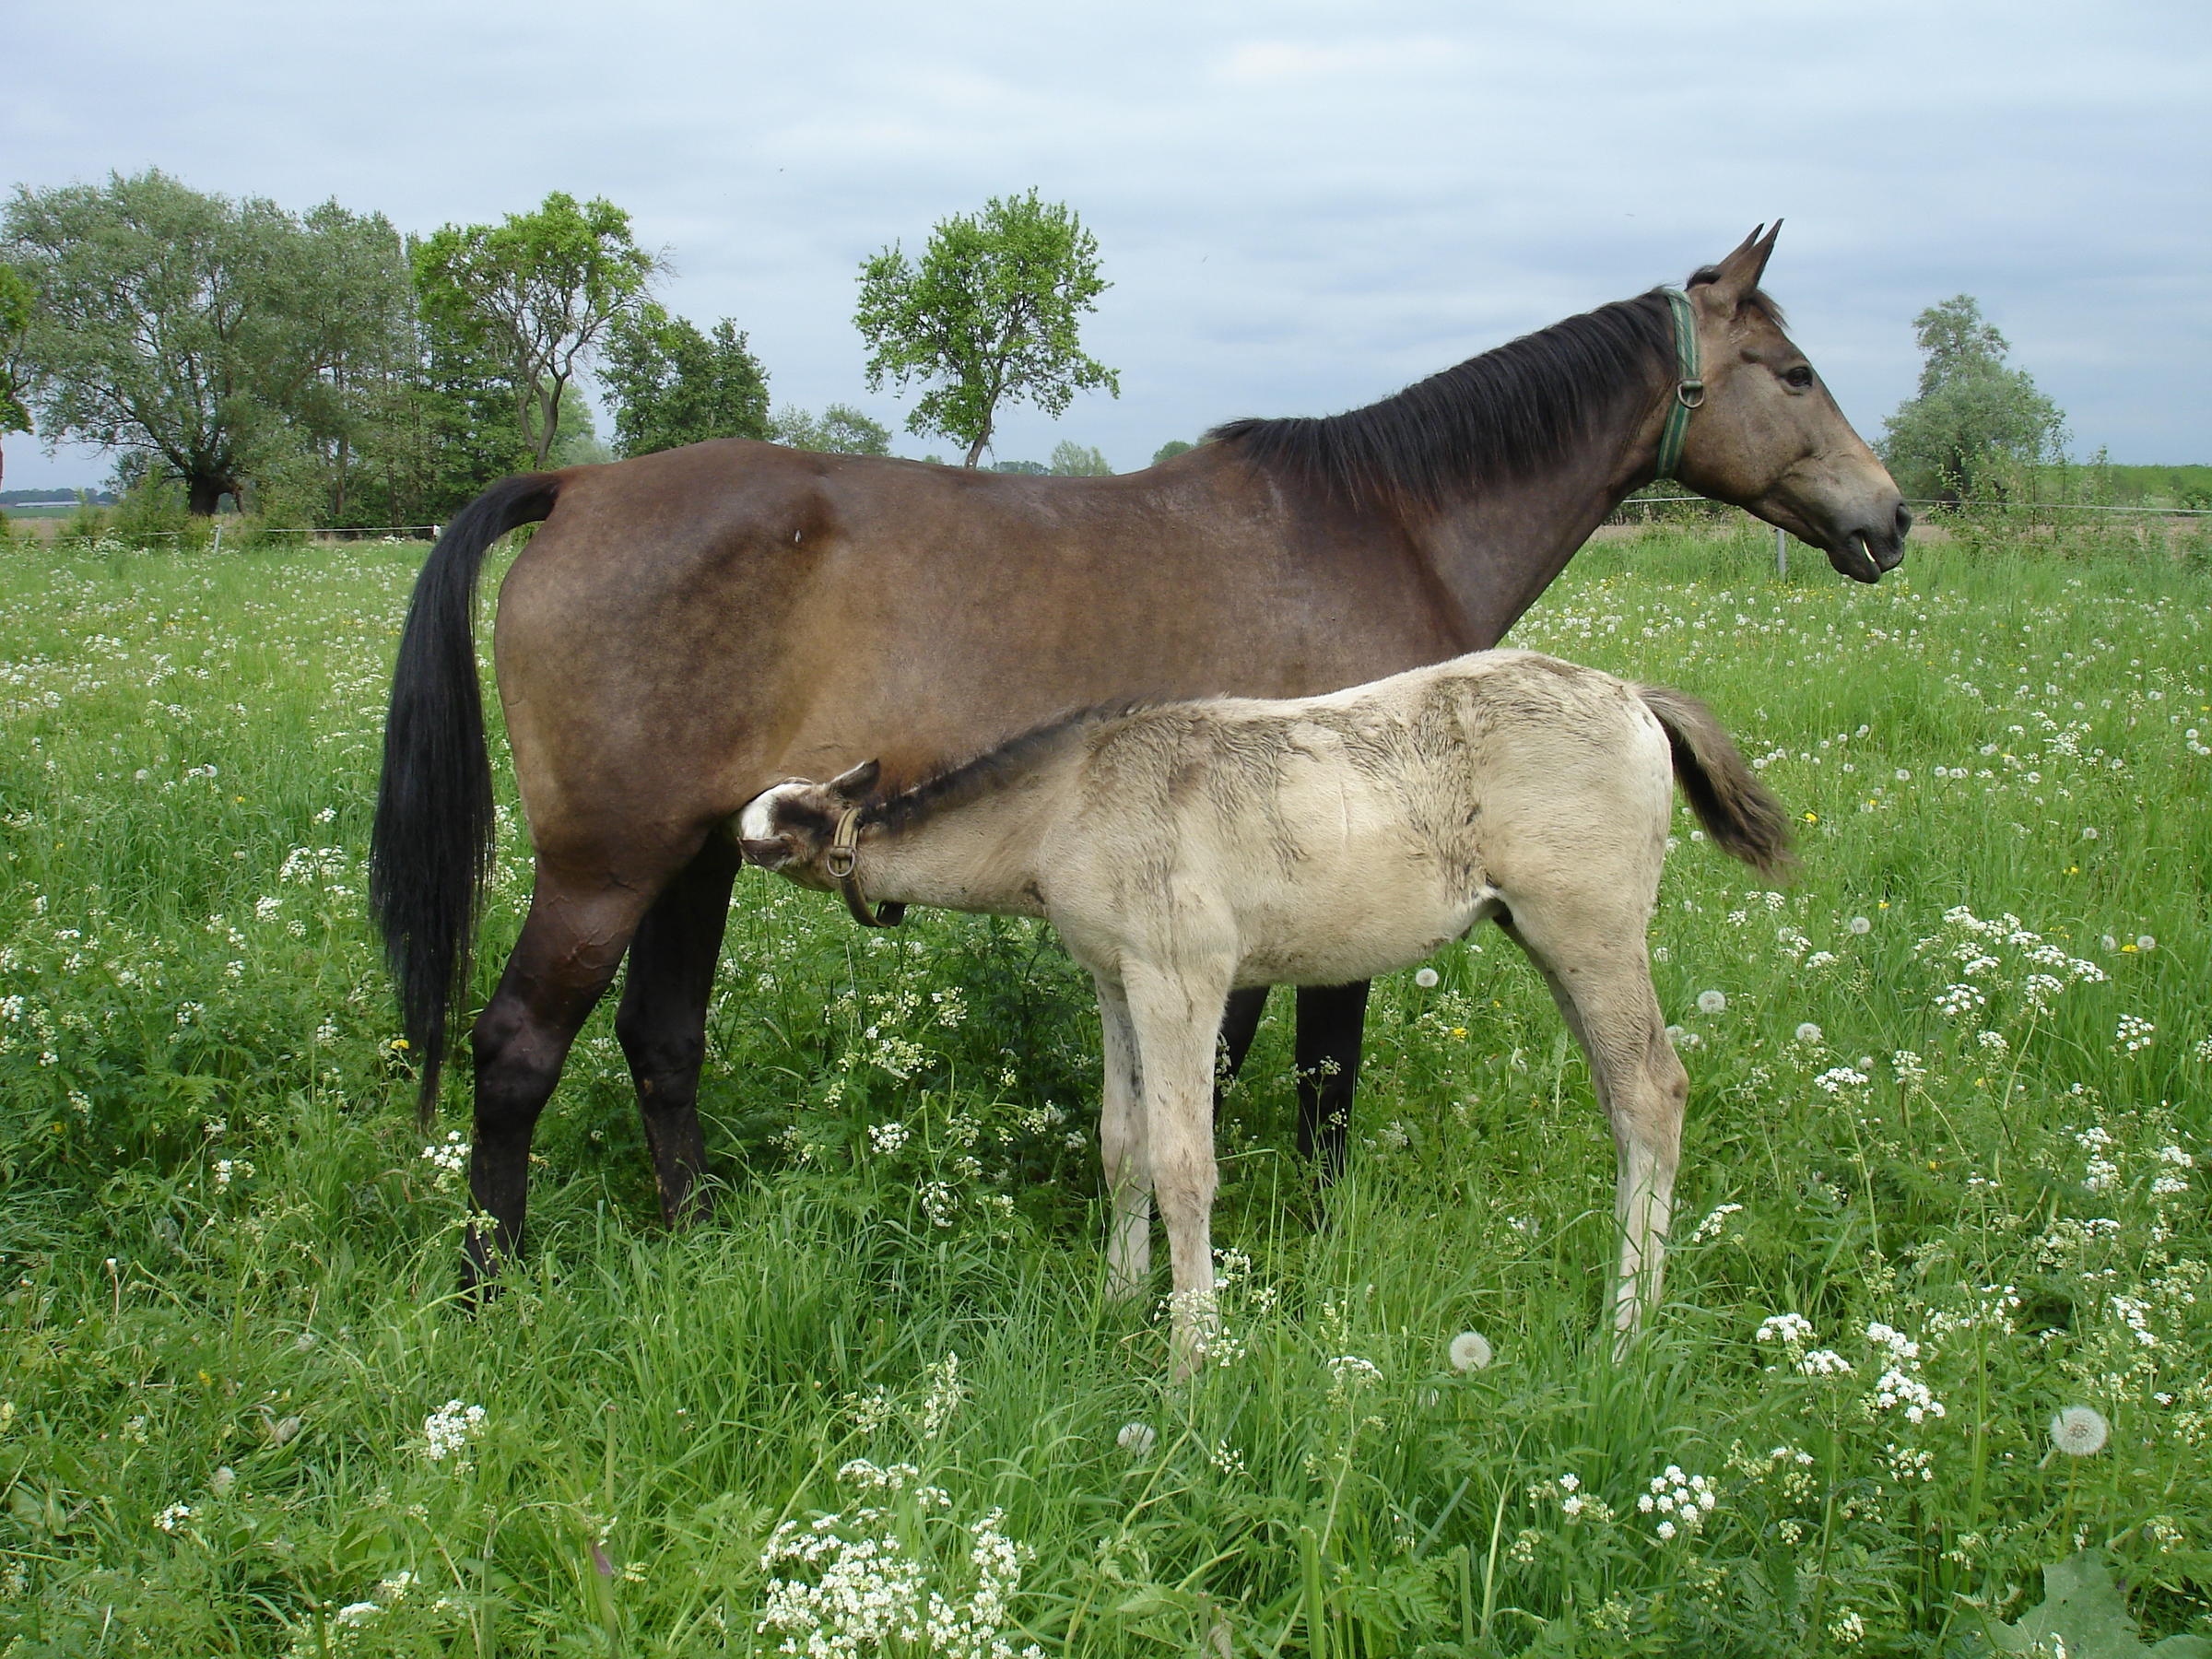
(1021, 469)
(354, 447)
(168, 323)
(1072, 460)
(842, 431)
(987, 317)
(668, 385)
(1169, 450)
(1976, 425)
(16, 299)
(525, 303)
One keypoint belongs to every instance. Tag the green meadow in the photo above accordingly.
(1930, 1378)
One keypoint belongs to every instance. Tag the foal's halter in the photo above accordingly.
(1690, 391)
(842, 862)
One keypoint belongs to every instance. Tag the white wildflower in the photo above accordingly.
(1711, 1226)
(447, 1431)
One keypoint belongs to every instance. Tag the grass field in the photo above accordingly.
(1945, 1178)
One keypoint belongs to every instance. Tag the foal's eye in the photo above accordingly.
(1799, 378)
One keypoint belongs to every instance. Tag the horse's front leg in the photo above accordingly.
(1176, 1012)
(1122, 1148)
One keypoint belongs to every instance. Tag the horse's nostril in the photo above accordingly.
(1904, 521)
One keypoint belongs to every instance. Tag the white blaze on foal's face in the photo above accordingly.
(760, 837)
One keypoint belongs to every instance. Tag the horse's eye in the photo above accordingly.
(1799, 378)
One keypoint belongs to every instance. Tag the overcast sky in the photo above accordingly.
(1300, 207)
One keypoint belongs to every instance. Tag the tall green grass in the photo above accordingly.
(229, 1257)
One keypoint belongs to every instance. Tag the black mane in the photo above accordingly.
(976, 777)
(1492, 419)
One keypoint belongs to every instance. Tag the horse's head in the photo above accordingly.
(1770, 438)
(788, 828)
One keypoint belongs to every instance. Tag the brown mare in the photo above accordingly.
(689, 626)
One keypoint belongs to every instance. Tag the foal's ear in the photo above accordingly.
(1735, 277)
(856, 785)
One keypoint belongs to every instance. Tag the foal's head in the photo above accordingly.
(788, 828)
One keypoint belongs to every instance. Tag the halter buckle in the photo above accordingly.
(1690, 393)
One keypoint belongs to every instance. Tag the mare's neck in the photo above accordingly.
(1498, 546)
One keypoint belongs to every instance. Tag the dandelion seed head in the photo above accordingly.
(1712, 1002)
(1425, 978)
(1471, 1350)
(1136, 1438)
(2079, 1430)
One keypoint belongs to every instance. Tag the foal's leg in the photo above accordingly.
(1331, 1021)
(663, 1020)
(1176, 1013)
(1122, 1148)
(1593, 957)
(571, 945)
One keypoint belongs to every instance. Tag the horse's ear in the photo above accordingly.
(857, 784)
(1736, 276)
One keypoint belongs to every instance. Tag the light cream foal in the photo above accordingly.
(1186, 850)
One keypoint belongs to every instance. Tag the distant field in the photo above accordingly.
(1945, 1174)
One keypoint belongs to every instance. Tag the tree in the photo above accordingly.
(989, 313)
(353, 452)
(530, 298)
(1072, 460)
(1975, 423)
(670, 384)
(16, 299)
(842, 431)
(167, 323)
(1169, 450)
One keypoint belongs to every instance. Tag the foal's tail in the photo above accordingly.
(1735, 809)
(431, 852)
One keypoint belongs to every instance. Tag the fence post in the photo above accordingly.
(219, 538)
(1782, 551)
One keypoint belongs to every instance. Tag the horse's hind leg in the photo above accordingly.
(662, 1021)
(1239, 1024)
(1332, 1020)
(571, 945)
(1593, 957)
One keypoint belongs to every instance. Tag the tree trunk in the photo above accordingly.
(203, 492)
(975, 449)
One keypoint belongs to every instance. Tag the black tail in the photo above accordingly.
(431, 852)
(1736, 809)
